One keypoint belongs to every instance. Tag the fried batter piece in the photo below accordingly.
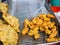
(35, 32)
(52, 39)
(50, 16)
(11, 20)
(53, 34)
(1, 22)
(26, 23)
(42, 16)
(35, 20)
(25, 31)
(31, 25)
(37, 36)
(41, 23)
(9, 26)
(48, 32)
(3, 7)
(51, 24)
(46, 19)
(31, 33)
(44, 24)
(42, 29)
(8, 35)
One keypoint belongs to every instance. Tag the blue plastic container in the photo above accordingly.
(55, 2)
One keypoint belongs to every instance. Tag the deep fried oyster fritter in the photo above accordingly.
(11, 20)
(8, 35)
(9, 26)
(3, 7)
(30, 29)
(41, 23)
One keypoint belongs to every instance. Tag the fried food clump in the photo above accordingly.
(9, 26)
(11, 20)
(8, 35)
(41, 23)
(3, 7)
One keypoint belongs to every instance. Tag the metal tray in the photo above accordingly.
(21, 11)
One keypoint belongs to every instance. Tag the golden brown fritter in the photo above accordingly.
(35, 20)
(31, 25)
(41, 23)
(37, 36)
(1, 22)
(53, 34)
(52, 39)
(11, 20)
(26, 22)
(41, 29)
(31, 33)
(50, 16)
(25, 31)
(8, 35)
(48, 31)
(9, 26)
(3, 7)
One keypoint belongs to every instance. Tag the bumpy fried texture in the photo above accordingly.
(52, 39)
(25, 31)
(37, 36)
(47, 31)
(1, 22)
(31, 33)
(42, 29)
(41, 23)
(8, 35)
(53, 34)
(9, 26)
(31, 25)
(3, 7)
(35, 20)
(11, 20)
(26, 23)
(50, 16)
(30, 28)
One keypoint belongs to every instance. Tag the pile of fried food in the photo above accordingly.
(41, 23)
(9, 26)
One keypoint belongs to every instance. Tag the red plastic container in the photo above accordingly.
(55, 8)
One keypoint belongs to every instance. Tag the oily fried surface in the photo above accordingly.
(41, 23)
(3, 7)
(9, 26)
(1, 22)
(11, 20)
(8, 35)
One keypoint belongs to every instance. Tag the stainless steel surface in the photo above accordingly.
(28, 9)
